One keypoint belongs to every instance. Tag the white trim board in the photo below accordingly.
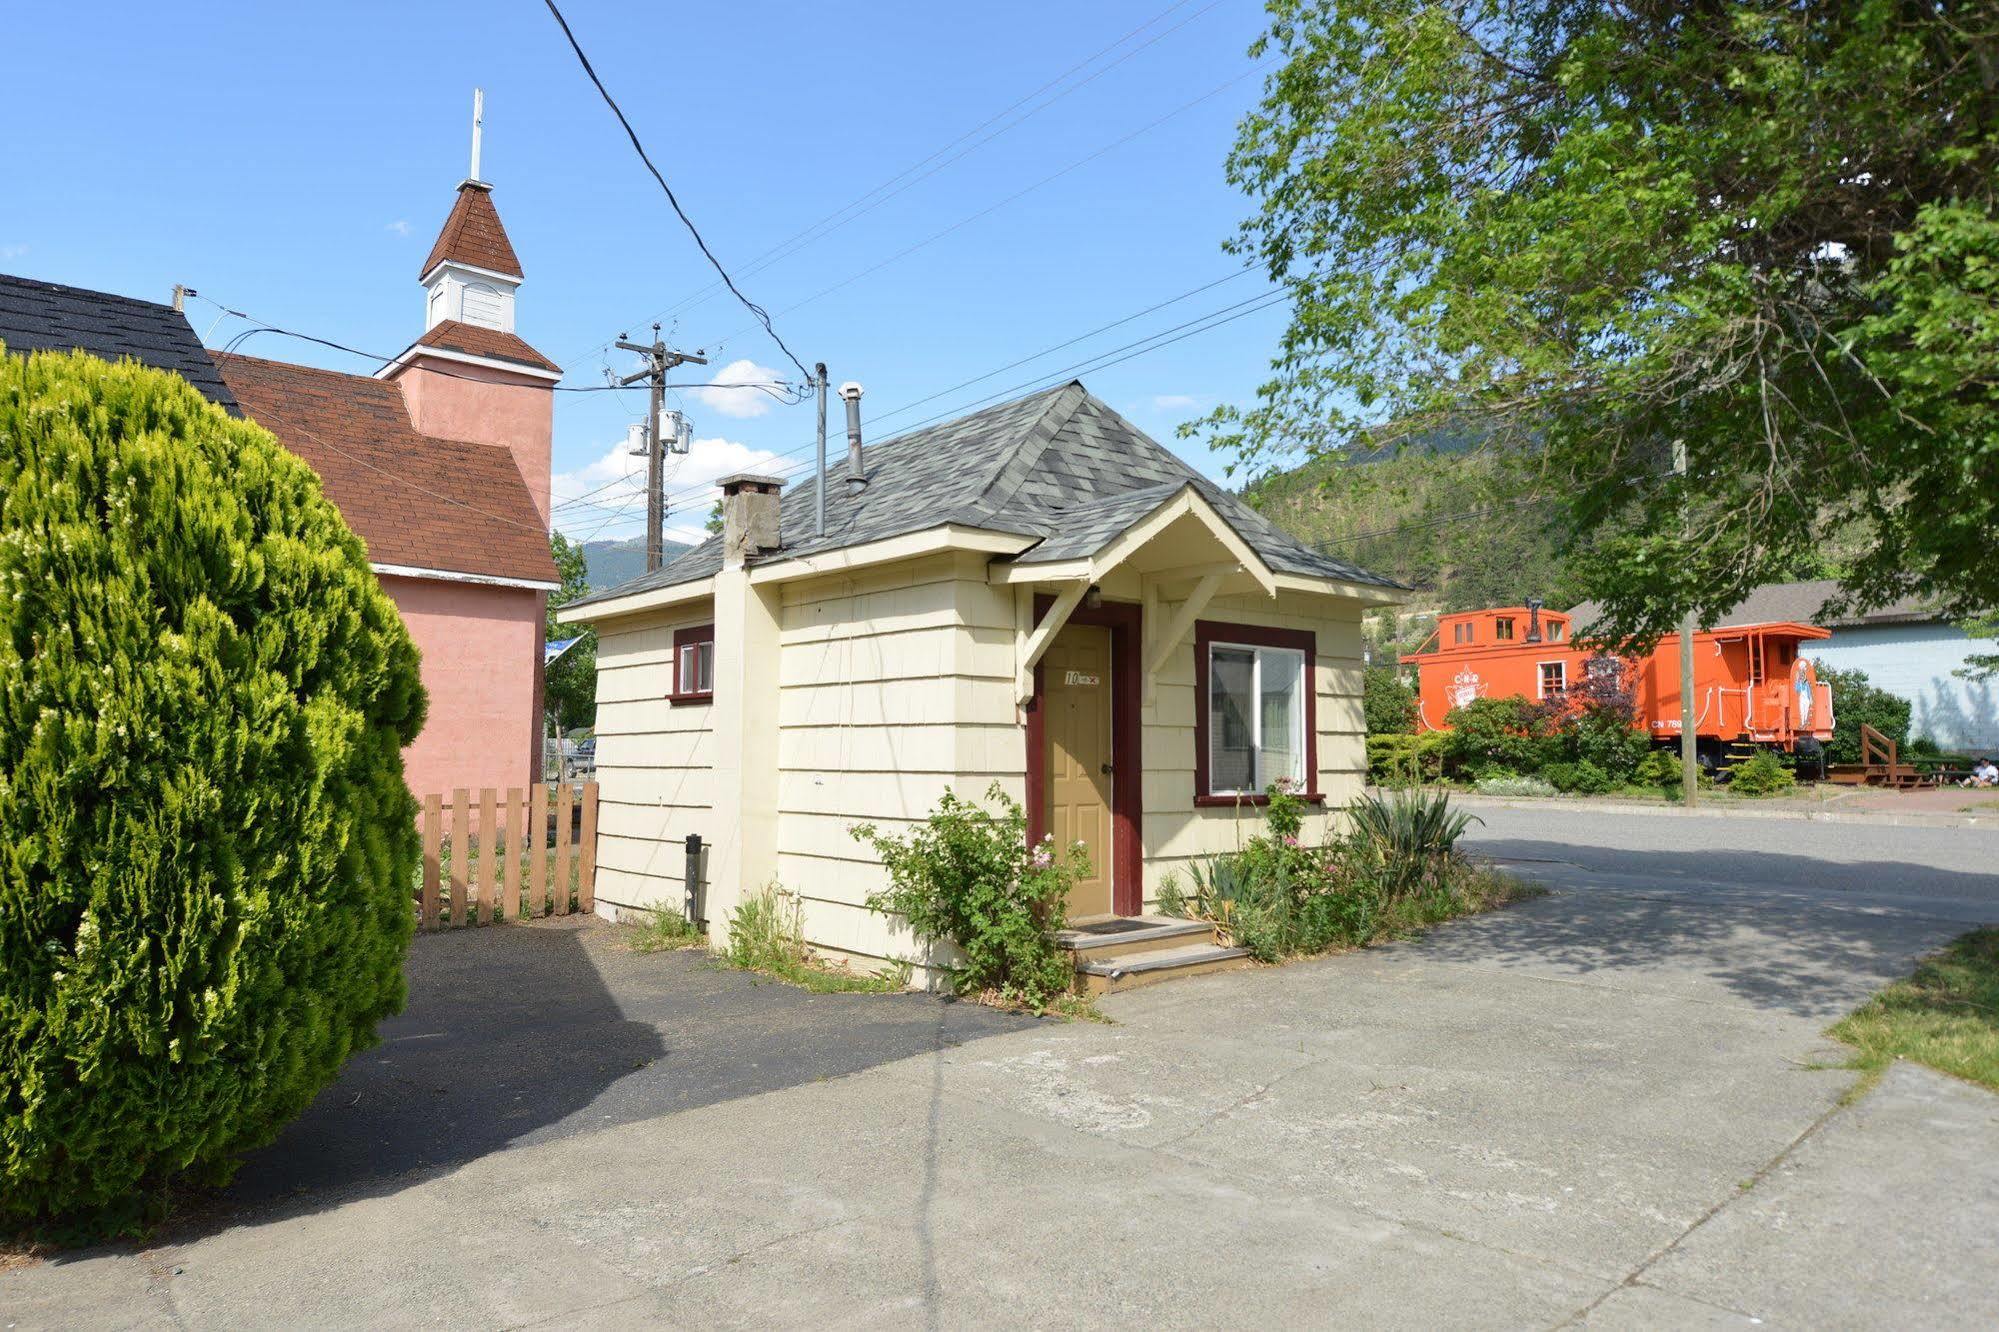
(454, 576)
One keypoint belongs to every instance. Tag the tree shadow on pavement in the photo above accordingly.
(521, 1034)
(1756, 927)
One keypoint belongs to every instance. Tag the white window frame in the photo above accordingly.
(699, 655)
(1259, 779)
(1541, 679)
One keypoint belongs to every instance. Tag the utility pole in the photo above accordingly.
(660, 358)
(1690, 768)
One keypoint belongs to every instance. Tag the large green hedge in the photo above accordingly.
(206, 844)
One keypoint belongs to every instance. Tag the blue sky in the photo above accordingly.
(295, 162)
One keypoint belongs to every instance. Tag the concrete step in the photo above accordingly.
(1110, 975)
(1154, 933)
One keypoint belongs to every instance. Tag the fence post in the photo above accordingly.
(586, 853)
(538, 847)
(508, 848)
(433, 834)
(489, 859)
(691, 880)
(461, 857)
(562, 799)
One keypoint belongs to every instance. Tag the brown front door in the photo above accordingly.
(1076, 754)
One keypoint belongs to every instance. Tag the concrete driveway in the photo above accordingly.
(1607, 1106)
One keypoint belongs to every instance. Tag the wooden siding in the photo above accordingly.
(1175, 832)
(894, 685)
(655, 763)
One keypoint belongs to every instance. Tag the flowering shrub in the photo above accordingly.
(969, 876)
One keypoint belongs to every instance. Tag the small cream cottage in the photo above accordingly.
(1037, 594)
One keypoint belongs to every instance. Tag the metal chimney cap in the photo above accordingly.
(851, 390)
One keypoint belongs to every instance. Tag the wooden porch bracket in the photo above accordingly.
(1031, 640)
(1177, 629)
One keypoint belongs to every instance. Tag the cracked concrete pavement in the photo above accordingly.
(1611, 1106)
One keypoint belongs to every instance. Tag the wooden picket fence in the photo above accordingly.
(543, 867)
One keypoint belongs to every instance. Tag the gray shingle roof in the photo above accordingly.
(47, 316)
(1791, 603)
(1059, 465)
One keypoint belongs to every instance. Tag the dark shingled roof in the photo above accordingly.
(47, 316)
(415, 499)
(1791, 603)
(1059, 465)
(473, 235)
(493, 343)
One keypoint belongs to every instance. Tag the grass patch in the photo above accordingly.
(661, 931)
(767, 936)
(1945, 1016)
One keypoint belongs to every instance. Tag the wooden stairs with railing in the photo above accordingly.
(1115, 953)
(1880, 765)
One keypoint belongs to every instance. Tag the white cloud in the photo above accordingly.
(1174, 402)
(605, 497)
(12, 251)
(739, 402)
(400, 226)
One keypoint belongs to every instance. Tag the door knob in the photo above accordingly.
(1105, 768)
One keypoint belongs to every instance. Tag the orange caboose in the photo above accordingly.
(1751, 684)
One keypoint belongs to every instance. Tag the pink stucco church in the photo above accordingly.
(440, 461)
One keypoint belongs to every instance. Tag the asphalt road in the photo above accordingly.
(1944, 874)
(527, 1034)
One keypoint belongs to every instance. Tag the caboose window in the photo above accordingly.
(1461, 633)
(1554, 679)
(1502, 628)
(1555, 628)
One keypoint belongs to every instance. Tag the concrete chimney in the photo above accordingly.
(749, 517)
(857, 480)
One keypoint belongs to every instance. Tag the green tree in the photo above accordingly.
(1855, 700)
(208, 844)
(1764, 231)
(569, 690)
(1388, 700)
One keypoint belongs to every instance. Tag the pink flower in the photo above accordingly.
(1041, 859)
(1289, 840)
(1284, 783)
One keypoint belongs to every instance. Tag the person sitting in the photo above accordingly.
(1983, 773)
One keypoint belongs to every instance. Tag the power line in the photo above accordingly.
(1022, 193)
(769, 387)
(762, 317)
(1103, 360)
(897, 184)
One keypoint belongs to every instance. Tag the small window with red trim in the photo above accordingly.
(694, 664)
(1256, 718)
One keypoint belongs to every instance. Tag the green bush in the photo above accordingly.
(1398, 866)
(1510, 734)
(1659, 767)
(1855, 701)
(1405, 760)
(1388, 700)
(1761, 775)
(1580, 778)
(208, 845)
(1603, 739)
(968, 876)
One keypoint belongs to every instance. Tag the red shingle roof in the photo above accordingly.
(415, 499)
(490, 342)
(473, 235)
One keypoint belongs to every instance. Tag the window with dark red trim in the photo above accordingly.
(1255, 712)
(693, 665)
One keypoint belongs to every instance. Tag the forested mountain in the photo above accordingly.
(610, 563)
(1447, 520)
